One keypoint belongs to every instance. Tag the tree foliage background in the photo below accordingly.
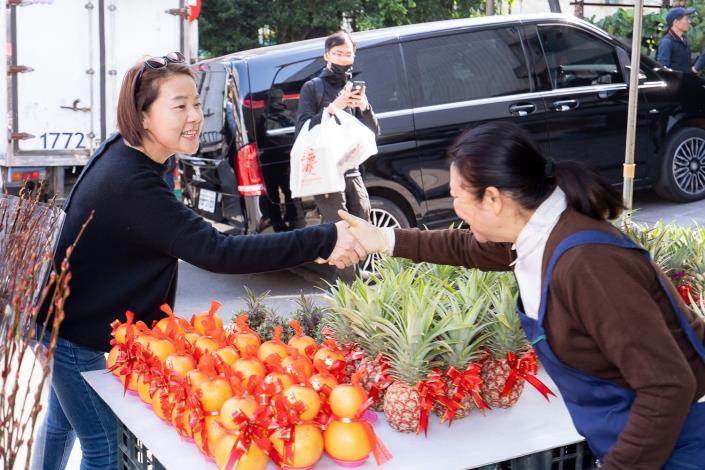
(234, 25)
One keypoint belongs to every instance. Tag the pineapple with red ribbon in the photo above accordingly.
(466, 340)
(510, 362)
(413, 339)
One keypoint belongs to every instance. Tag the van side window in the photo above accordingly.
(576, 58)
(467, 66)
(283, 98)
(381, 69)
(211, 88)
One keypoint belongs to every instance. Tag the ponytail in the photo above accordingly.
(502, 155)
(587, 192)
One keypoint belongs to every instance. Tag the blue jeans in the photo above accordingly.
(76, 410)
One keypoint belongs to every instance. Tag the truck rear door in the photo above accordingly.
(55, 104)
(69, 59)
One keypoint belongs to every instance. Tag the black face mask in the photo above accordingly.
(340, 69)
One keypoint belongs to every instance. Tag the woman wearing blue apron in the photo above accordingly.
(606, 323)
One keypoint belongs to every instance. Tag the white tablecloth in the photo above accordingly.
(531, 426)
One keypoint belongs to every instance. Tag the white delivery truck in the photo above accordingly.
(65, 63)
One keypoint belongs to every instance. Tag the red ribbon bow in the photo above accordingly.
(381, 380)
(468, 382)
(430, 391)
(686, 291)
(285, 418)
(525, 368)
(255, 430)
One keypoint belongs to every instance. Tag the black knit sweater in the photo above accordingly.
(128, 256)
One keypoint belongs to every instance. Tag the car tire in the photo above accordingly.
(384, 213)
(682, 177)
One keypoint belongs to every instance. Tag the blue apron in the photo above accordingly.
(599, 408)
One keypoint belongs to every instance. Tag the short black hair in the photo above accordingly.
(338, 39)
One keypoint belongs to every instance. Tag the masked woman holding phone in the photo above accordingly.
(334, 91)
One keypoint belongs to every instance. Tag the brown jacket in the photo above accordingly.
(608, 317)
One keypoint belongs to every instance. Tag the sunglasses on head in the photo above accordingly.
(156, 63)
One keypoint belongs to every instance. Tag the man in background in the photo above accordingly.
(673, 49)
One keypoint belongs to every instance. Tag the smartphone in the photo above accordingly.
(357, 85)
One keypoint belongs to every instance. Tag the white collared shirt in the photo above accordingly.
(530, 247)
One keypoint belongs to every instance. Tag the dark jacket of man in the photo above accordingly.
(674, 52)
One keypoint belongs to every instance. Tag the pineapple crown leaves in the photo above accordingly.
(507, 334)
(693, 239)
(339, 326)
(674, 249)
(337, 294)
(341, 299)
(669, 246)
(309, 315)
(357, 306)
(472, 283)
(469, 333)
(256, 310)
(413, 337)
(441, 272)
(390, 266)
(253, 300)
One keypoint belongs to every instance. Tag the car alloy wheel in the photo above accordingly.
(379, 218)
(689, 166)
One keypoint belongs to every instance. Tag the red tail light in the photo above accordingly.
(249, 173)
(18, 175)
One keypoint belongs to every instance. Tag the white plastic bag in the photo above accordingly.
(357, 140)
(314, 160)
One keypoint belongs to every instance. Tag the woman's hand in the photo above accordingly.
(347, 251)
(372, 238)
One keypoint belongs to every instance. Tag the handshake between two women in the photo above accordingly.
(357, 238)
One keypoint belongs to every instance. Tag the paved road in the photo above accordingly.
(651, 209)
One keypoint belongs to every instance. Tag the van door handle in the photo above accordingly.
(522, 109)
(565, 105)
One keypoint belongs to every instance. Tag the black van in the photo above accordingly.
(562, 79)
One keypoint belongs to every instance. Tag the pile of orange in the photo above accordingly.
(241, 400)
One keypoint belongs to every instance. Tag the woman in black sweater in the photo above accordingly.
(128, 255)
